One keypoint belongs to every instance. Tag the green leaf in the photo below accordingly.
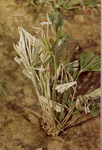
(90, 3)
(76, 112)
(94, 111)
(58, 21)
(89, 62)
(73, 66)
(93, 65)
(51, 18)
(82, 58)
(89, 57)
(69, 102)
(75, 74)
(46, 44)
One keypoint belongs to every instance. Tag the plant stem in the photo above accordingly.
(78, 75)
(54, 91)
(63, 102)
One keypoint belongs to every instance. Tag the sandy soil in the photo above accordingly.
(19, 129)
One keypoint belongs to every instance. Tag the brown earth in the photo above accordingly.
(19, 129)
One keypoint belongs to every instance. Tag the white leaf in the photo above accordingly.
(64, 87)
(58, 107)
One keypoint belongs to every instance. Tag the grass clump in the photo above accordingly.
(56, 90)
(67, 4)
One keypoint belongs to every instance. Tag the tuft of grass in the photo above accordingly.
(67, 4)
(91, 3)
(56, 92)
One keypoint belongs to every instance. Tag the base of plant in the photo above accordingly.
(48, 125)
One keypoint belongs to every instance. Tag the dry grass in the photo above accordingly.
(56, 92)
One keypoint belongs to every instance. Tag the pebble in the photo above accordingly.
(28, 101)
(79, 18)
(57, 145)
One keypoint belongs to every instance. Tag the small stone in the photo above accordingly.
(39, 149)
(57, 145)
(27, 91)
(79, 18)
(28, 101)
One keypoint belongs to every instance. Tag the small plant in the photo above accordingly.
(91, 3)
(68, 4)
(56, 90)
